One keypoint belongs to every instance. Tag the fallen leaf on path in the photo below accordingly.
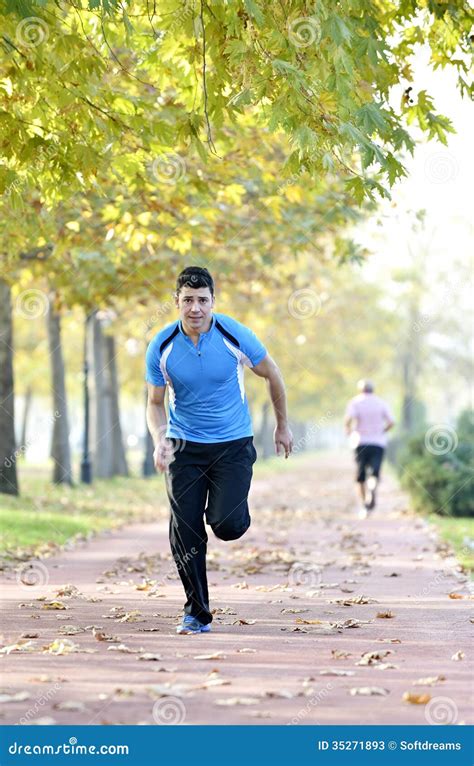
(242, 621)
(351, 623)
(293, 611)
(124, 648)
(338, 654)
(336, 672)
(457, 595)
(368, 691)
(30, 635)
(99, 635)
(240, 585)
(429, 681)
(231, 701)
(70, 630)
(223, 610)
(389, 640)
(246, 650)
(416, 699)
(132, 616)
(170, 690)
(371, 658)
(61, 646)
(67, 590)
(71, 705)
(215, 656)
(393, 574)
(302, 621)
(354, 600)
(458, 656)
(387, 615)
(161, 669)
(149, 657)
(54, 605)
(20, 646)
(146, 585)
(280, 694)
(16, 697)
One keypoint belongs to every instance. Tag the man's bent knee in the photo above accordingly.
(226, 531)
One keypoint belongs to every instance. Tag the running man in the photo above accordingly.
(205, 444)
(367, 420)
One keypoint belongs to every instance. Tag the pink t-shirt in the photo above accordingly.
(371, 414)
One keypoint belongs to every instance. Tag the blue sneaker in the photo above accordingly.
(191, 624)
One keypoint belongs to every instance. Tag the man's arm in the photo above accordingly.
(282, 436)
(348, 424)
(156, 419)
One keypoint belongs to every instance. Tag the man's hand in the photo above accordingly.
(283, 438)
(163, 455)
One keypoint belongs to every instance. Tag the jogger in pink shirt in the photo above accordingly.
(367, 420)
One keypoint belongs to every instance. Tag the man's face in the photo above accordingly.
(195, 307)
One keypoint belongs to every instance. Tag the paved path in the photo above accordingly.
(289, 645)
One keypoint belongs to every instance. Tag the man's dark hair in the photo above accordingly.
(195, 276)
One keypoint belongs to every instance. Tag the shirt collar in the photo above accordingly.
(208, 332)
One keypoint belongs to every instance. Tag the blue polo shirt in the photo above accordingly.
(207, 400)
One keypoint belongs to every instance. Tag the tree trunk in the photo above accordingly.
(108, 455)
(26, 412)
(119, 460)
(100, 399)
(148, 468)
(60, 447)
(266, 433)
(8, 474)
